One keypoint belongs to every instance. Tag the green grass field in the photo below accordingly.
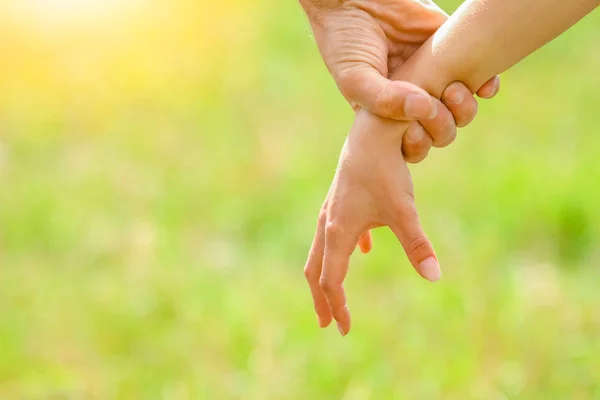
(161, 170)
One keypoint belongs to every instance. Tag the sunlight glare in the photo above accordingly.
(71, 10)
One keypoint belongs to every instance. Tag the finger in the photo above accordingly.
(365, 242)
(416, 143)
(339, 244)
(389, 99)
(442, 128)
(407, 228)
(312, 272)
(461, 103)
(490, 88)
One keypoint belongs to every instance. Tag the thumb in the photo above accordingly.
(418, 248)
(398, 100)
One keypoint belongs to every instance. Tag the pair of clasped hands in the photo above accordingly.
(363, 43)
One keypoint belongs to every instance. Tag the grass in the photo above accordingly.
(160, 176)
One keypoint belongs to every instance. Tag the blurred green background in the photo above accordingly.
(161, 169)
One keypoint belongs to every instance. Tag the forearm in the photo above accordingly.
(486, 37)
(481, 39)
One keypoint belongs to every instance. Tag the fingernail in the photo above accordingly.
(496, 85)
(418, 105)
(430, 269)
(340, 329)
(455, 98)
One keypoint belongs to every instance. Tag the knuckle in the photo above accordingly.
(347, 80)
(310, 273)
(415, 244)
(326, 285)
(322, 219)
(333, 229)
(403, 211)
(448, 135)
(385, 103)
(411, 212)
(338, 312)
(404, 208)
(442, 129)
(449, 94)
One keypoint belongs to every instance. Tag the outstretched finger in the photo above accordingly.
(339, 245)
(312, 272)
(407, 228)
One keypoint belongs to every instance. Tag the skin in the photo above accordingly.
(379, 188)
(362, 41)
(372, 186)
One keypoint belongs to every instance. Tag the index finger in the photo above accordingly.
(312, 272)
(339, 246)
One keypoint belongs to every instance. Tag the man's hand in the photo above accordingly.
(372, 187)
(363, 41)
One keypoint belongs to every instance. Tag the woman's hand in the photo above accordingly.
(372, 187)
(363, 41)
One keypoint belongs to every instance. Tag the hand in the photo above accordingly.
(372, 187)
(362, 41)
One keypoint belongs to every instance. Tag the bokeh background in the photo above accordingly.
(161, 169)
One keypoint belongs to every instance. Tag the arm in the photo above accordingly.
(486, 37)
(362, 41)
(481, 39)
(372, 186)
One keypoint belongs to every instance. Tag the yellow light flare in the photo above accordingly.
(67, 11)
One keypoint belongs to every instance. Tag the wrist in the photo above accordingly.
(377, 133)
